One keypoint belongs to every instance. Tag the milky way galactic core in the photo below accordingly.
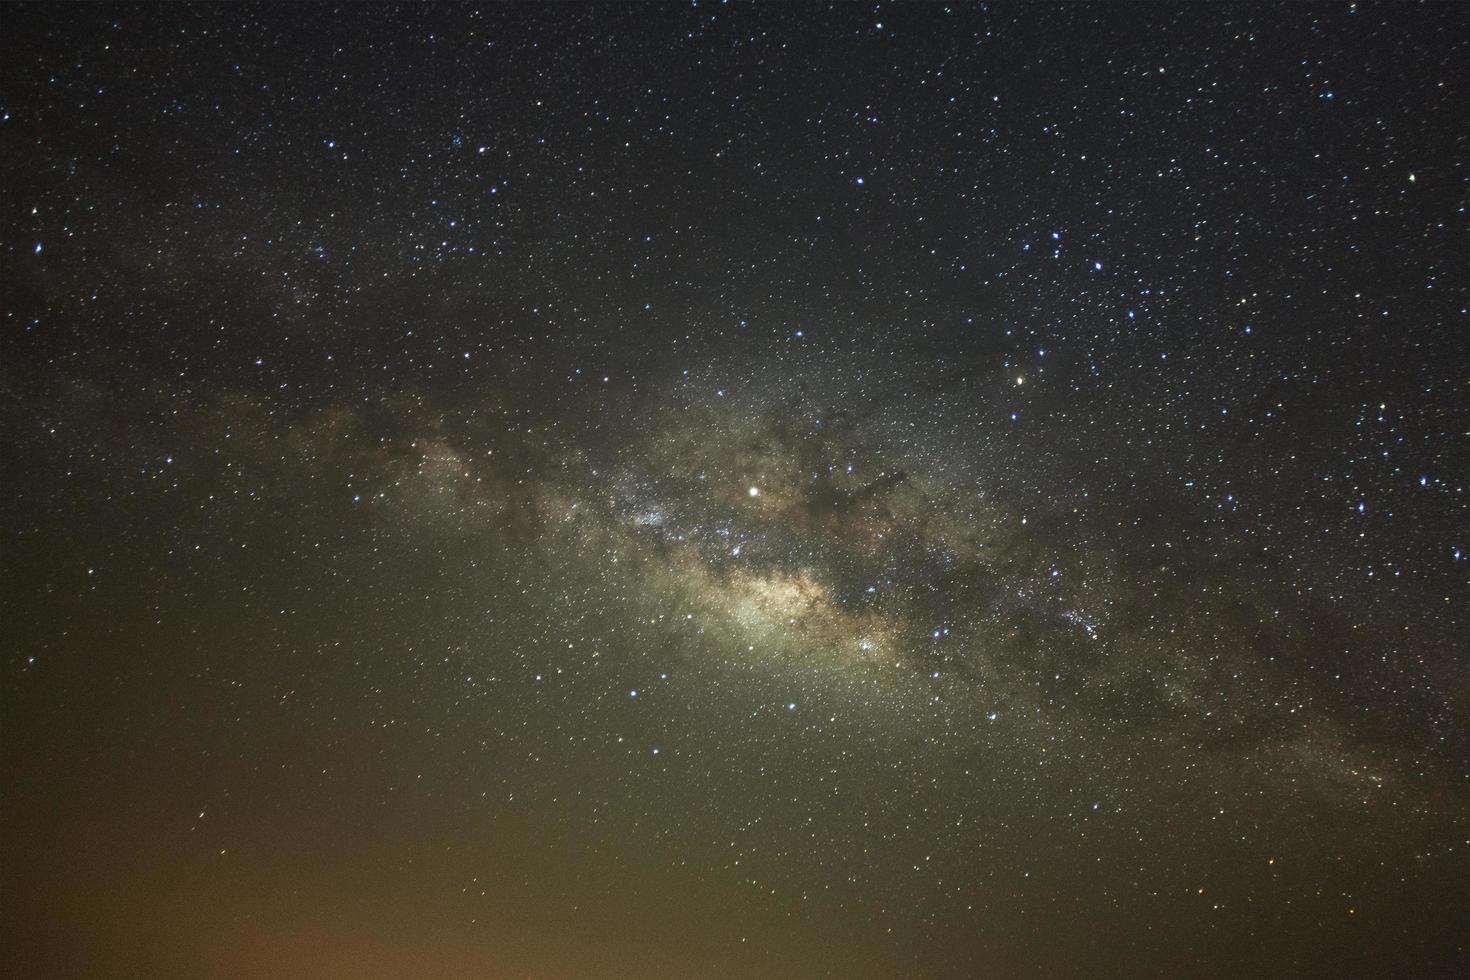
(712, 490)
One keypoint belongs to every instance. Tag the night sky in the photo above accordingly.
(727, 491)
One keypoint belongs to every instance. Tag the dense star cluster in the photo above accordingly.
(735, 491)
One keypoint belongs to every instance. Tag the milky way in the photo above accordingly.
(667, 492)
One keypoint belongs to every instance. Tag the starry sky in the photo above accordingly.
(735, 491)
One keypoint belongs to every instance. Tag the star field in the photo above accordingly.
(720, 490)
